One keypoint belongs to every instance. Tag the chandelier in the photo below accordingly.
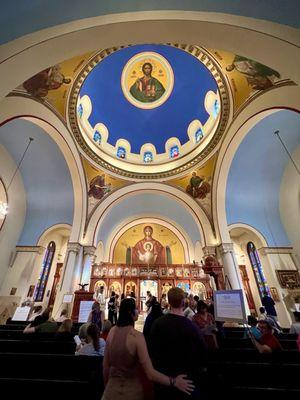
(3, 209)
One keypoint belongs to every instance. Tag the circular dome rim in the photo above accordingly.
(172, 167)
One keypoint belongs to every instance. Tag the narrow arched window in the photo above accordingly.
(45, 271)
(257, 269)
(169, 255)
(128, 255)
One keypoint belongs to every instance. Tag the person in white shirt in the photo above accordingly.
(95, 345)
(100, 298)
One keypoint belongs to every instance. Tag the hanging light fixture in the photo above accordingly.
(3, 209)
(4, 205)
(288, 153)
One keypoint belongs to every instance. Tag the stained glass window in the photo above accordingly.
(174, 151)
(45, 271)
(257, 269)
(148, 157)
(216, 108)
(199, 135)
(80, 110)
(97, 137)
(121, 152)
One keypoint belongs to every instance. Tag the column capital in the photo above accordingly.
(225, 248)
(209, 251)
(74, 247)
(89, 250)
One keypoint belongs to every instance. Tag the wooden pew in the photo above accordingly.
(245, 372)
(51, 374)
(37, 346)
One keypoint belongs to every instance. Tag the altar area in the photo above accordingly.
(158, 279)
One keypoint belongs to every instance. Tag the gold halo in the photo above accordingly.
(151, 246)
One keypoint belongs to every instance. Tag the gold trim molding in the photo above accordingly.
(205, 58)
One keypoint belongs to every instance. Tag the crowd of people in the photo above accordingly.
(165, 361)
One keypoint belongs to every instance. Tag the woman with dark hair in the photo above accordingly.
(205, 321)
(96, 315)
(125, 350)
(95, 345)
(155, 313)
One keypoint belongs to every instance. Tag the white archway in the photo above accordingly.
(249, 228)
(178, 231)
(52, 228)
(106, 207)
(216, 30)
(285, 98)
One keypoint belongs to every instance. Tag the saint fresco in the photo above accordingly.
(148, 250)
(148, 244)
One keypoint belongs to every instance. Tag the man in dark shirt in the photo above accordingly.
(269, 305)
(176, 347)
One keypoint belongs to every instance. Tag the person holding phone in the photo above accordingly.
(95, 345)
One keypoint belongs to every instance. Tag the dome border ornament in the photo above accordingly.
(205, 58)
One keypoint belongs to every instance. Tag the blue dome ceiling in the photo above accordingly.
(192, 82)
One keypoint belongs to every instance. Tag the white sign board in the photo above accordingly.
(68, 298)
(21, 314)
(84, 310)
(229, 306)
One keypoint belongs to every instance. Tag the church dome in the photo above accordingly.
(149, 111)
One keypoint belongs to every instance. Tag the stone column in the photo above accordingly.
(88, 261)
(233, 278)
(67, 280)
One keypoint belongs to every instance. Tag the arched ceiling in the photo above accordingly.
(46, 178)
(255, 176)
(148, 204)
(16, 21)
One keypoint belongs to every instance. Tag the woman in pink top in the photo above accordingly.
(125, 351)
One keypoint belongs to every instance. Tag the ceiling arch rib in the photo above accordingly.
(154, 198)
(58, 136)
(285, 98)
(56, 44)
(39, 16)
(43, 169)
